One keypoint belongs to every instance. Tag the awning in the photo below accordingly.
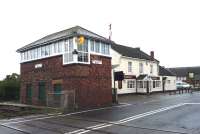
(141, 77)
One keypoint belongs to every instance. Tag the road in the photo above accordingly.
(136, 114)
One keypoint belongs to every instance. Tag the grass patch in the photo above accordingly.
(7, 111)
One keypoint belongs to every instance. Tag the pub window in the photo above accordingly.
(140, 84)
(154, 84)
(168, 81)
(141, 67)
(130, 84)
(158, 83)
(145, 84)
(129, 66)
(151, 69)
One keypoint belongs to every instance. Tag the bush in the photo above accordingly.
(10, 87)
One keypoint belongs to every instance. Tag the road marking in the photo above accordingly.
(99, 126)
(14, 128)
(150, 101)
(62, 115)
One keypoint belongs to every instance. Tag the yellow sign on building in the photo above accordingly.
(80, 40)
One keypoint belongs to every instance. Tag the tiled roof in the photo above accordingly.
(131, 52)
(165, 72)
(77, 30)
(183, 71)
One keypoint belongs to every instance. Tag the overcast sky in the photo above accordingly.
(169, 27)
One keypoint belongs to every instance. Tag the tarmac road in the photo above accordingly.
(138, 114)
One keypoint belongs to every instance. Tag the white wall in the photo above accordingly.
(135, 66)
(121, 64)
(124, 89)
(172, 84)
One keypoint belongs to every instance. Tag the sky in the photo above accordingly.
(171, 28)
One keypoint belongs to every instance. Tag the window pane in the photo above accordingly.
(47, 50)
(82, 57)
(21, 56)
(42, 51)
(66, 45)
(71, 44)
(92, 45)
(50, 49)
(60, 46)
(97, 47)
(131, 84)
(39, 52)
(83, 47)
(129, 66)
(141, 68)
(68, 57)
(56, 47)
(107, 49)
(103, 48)
(36, 53)
(26, 55)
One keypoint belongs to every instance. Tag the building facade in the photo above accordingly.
(141, 71)
(168, 79)
(73, 61)
(190, 75)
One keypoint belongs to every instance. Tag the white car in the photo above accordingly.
(181, 84)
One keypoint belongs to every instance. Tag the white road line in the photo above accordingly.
(53, 116)
(15, 128)
(192, 103)
(96, 127)
(150, 101)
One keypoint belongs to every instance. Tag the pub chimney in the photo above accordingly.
(152, 55)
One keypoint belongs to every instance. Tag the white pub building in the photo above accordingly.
(141, 71)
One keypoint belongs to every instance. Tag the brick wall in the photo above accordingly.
(92, 83)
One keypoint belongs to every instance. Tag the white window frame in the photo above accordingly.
(151, 69)
(130, 67)
(141, 68)
(131, 84)
(39, 52)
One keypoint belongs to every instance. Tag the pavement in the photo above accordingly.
(136, 114)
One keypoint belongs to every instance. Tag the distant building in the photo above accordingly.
(141, 70)
(168, 79)
(75, 61)
(184, 73)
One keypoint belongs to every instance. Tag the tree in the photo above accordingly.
(10, 87)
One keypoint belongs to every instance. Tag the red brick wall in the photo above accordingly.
(92, 83)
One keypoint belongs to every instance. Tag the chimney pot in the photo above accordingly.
(152, 55)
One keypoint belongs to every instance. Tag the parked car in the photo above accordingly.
(181, 84)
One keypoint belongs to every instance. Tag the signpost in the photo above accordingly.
(118, 76)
